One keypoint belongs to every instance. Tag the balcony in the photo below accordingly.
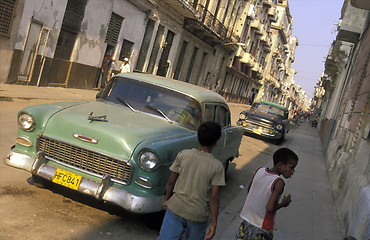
(187, 8)
(252, 63)
(272, 14)
(266, 41)
(256, 24)
(352, 24)
(363, 4)
(268, 3)
(209, 29)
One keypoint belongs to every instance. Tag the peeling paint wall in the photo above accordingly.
(91, 40)
(348, 152)
(49, 13)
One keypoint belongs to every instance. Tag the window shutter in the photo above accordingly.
(7, 8)
(114, 28)
(74, 15)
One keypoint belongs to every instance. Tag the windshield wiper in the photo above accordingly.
(125, 103)
(97, 118)
(160, 112)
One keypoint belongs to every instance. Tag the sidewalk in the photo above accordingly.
(311, 215)
(8, 92)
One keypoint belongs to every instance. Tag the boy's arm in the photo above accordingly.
(215, 199)
(273, 204)
(169, 187)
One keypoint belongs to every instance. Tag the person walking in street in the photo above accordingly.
(264, 196)
(194, 182)
(125, 66)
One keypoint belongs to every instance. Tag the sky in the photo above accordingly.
(315, 24)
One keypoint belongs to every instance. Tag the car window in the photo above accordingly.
(269, 109)
(218, 114)
(149, 98)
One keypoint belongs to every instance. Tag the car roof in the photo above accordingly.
(197, 92)
(272, 104)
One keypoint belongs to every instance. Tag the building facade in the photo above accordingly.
(342, 100)
(240, 49)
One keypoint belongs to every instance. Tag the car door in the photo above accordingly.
(228, 145)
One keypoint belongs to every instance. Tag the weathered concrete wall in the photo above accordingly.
(90, 45)
(348, 153)
(7, 44)
(50, 14)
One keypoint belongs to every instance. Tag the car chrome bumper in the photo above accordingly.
(101, 191)
(275, 135)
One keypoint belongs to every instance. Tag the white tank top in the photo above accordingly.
(254, 210)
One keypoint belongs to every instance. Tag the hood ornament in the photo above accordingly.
(85, 138)
(97, 118)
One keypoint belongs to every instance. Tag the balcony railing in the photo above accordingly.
(213, 24)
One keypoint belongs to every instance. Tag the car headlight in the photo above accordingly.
(26, 122)
(242, 116)
(279, 127)
(148, 161)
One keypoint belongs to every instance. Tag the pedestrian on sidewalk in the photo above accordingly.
(194, 182)
(106, 69)
(264, 196)
(125, 66)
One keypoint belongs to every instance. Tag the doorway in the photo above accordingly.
(37, 39)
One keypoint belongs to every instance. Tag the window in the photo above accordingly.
(126, 49)
(114, 29)
(7, 8)
(145, 45)
(218, 114)
(71, 26)
(65, 44)
(180, 60)
(191, 65)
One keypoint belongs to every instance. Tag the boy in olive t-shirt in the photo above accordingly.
(194, 182)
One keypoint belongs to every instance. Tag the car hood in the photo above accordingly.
(262, 116)
(118, 136)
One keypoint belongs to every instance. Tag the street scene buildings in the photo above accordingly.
(242, 49)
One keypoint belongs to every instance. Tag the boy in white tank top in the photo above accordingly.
(264, 196)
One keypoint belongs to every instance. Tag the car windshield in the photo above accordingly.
(269, 109)
(149, 98)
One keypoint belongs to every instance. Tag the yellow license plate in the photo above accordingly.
(67, 179)
(257, 131)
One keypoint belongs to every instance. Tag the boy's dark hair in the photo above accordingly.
(208, 133)
(284, 156)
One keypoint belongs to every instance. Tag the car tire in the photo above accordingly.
(280, 140)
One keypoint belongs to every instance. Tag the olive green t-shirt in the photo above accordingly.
(198, 171)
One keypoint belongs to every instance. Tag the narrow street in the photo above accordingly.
(28, 212)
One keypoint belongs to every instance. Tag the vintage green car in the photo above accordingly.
(266, 119)
(119, 148)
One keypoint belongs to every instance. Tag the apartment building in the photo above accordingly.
(63, 43)
(241, 49)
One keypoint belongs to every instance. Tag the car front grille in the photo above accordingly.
(86, 160)
(259, 127)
